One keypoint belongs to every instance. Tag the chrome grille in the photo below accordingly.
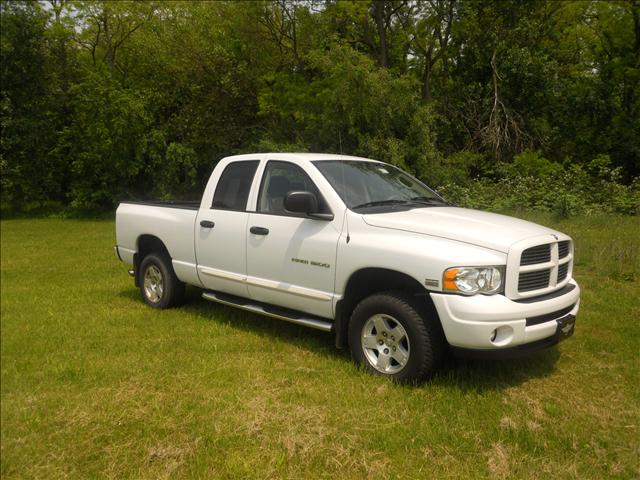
(537, 254)
(529, 281)
(563, 248)
(562, 271)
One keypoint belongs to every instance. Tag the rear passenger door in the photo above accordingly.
(221, 230)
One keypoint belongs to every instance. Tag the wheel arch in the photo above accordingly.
(367, 281)
(146, 244)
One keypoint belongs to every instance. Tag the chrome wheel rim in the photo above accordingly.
(153, 284)
(385, 344)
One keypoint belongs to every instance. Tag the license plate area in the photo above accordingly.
(566, 327)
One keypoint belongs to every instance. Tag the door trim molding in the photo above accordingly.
(214, 272)
(268, 284)
(288, 288)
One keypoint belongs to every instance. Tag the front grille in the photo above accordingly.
(528, 281)
(543, 267)
(537, 254)
(563, 248)
(562, 271)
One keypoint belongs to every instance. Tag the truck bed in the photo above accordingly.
(170, 222)
(184, 204)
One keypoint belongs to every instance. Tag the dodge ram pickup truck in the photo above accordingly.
(361, 249)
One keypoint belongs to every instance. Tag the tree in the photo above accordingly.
(25, 105)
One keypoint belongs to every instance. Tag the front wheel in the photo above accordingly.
(391, 334)
(159, 285)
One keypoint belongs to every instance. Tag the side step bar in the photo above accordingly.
(270, 311)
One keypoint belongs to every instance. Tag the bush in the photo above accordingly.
(533, 164)
(534, 183)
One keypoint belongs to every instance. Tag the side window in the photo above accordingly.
(234, 185)
(279, 179)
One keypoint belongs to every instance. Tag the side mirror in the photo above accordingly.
(305, 203)
(301, 202)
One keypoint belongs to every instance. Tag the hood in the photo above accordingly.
(484, 229)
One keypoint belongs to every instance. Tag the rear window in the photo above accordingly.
(234, 185)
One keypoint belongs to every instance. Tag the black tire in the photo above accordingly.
(172, 291)
(421, 328)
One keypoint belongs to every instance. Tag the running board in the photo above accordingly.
(270, 311)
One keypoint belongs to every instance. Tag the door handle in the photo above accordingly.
(259, 230)
(207, 224)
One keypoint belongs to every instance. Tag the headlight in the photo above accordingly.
(472, 280)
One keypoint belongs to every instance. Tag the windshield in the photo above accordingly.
(376, 186)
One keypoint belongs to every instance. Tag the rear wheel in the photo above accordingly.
(159, 286)
(391, 334)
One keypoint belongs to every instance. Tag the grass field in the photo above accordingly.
(97, 385)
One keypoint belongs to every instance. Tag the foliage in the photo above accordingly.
(112, 99)
(535, 183)
(349, 105)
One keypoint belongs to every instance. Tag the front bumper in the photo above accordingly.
(494, 322)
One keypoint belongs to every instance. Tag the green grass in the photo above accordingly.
(97, 385)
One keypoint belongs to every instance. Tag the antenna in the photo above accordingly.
(340, 140)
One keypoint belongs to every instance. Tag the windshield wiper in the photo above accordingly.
(408, 201)
(378, 203)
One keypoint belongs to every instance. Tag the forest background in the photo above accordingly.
(503, 105)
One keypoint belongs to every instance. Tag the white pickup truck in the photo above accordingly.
(361, 249)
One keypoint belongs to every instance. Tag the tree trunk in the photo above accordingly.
(378, 16)
(426, 76)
